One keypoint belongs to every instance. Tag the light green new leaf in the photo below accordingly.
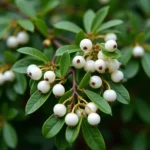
(85, 80)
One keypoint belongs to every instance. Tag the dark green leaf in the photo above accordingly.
(65, 96)
(11, 114)
(9, 57)
(145, 5)
(33, 87)
(85, 80)
(79, 37)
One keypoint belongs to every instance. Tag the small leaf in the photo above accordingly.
(36, 101)
(85, 80)
(99, 101)
(64, 64)
(122, 93)
(65, 96)
(72, 132)
(79, 37)
(52, 126)
(67, 48)
(33, 52)
(26, 24)
(69, 26)
(88, 19)
(92, 136)
(33, 87)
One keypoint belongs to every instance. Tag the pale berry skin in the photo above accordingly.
(93, 119)
(12, 42)
(112, 65)
(43, 87)
(117, 76)
(71, 119)
(89, 66)
(100, 66)
(78, 62)
(110, 45)
(30, 67)
(110, 36)
(86, 45)
(49, 76)
(58, 90)
(100, 55)
(80, 112)
(9, 75)
(2, 80)
(138, 51)
(90, 107)
(110, 95)
(59, 110)
(95, 82)
(22, 37)
(35, 73)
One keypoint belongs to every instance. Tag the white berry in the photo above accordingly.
(110, 36)
(58, 90)
(78, 62)
(12, 42)
(95, 82)
(112, 65)
(43, 87)
(90, 107)
(117, 76)
(100, 65)
(9, 75)
(110, 95)
(94, 119)
(59, 110)
(89, 66)
(49, 76)
(100, 55)
(86, 45)
(110, 45)
(22, 37)
(34, 72)
(2, 79)
(71, 119)
(29, 68)
(138, 51)
(80, 112)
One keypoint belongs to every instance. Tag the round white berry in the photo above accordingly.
(78, 62)
(58, 90)
(43, 87)
(110, 95)
(2, 79)
(9, 75)
(30, 67)
(110, 45)
(100, 55)
(117, 76)
(86, 45)
(80, 112)
(59, 110)
(12, 42)
(90, 107)
(95, 82)
(94, 119)
(71, 119)
(138, 51)
(110, 36)
(49, 76)
(89, 66)
(112, 65)
(22, 37)
(100, 65)
(35, 73)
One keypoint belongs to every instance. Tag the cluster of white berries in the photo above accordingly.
(138, 51)
(21, 38)
(7, 76)
(44, 86)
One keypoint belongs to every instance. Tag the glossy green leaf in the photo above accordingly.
(85, 80)
(65, 96)
(99, 101)
(52, 126)
(79, 36)
(92, 136)
(33, 87)
(36, 101)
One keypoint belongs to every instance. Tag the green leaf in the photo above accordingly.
(69, 26)
(72, 132)
(11, 114)
(52, 126)
(64, 64)
(88, 19)
(92, 136)
(85, 80)
(145, 5)
(33, 52)
(33, 87)
(122, 93)
(42, 27)
(146, 63)
(36, 101)
(67, 48)
(21, 65)
(99, 18)
(99, 101)
(26, 24)
(112, 55)
(9, 135)
(79, 37)
(9, 57)
(109, 24)
(65, 96)
(26, 7)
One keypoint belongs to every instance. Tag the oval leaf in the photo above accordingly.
(65, 96)
(85, 80)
